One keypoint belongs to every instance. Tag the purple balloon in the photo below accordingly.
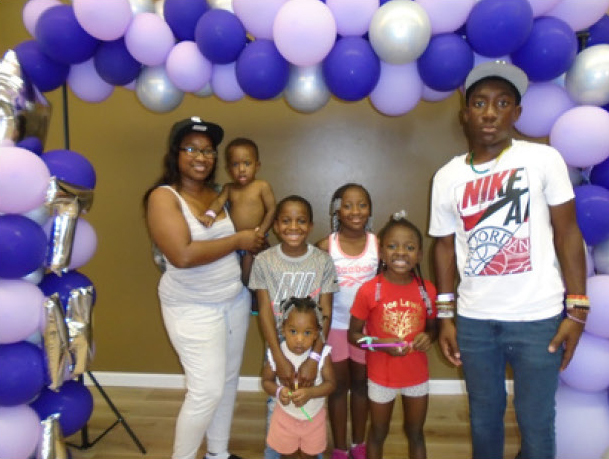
(599, 175)
(23, 373)
(599, 32)
(498, 27)
(62, 38)
(149, 39)
(187, 68)
(64, 284)
(597, 323)
(84, 246)
(581, 135)
(542, 105)
(71, 167)
(398, 90)
(45, 73)
(86, 84)
(352, 69)
(582, 423)
(446, 62)
(589, 368)
(21, 307)
(182, 16)
(220, 36)
(33, 144)
(262, 72)
(549, 51)
(20, 427)
(592, 205)
(258, 15)
(114, 63)
(22, 246)
(224, 82)
(73, 402)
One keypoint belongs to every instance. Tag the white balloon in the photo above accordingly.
(143, 6)
(400, 31)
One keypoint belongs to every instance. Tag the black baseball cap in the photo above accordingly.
(195, 124)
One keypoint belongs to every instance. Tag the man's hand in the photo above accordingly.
(448, 341)
(567, 336)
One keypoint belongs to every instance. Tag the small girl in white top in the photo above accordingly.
(298, 424)
(354, 251)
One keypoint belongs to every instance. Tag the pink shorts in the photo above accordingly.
(287, 434)
(342, 349)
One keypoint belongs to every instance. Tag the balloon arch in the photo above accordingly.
(396, 53)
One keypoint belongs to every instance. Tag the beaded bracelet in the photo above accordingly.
(576, 319)
(314, 356)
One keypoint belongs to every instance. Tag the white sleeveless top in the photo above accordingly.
(215, 282)
(352, 272)
(314, 405)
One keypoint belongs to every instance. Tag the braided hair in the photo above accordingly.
(303, 305)
(336, 201)
(399, 219)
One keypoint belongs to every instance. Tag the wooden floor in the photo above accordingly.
(151, 415)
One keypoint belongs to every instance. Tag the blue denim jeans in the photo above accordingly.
(486, 347)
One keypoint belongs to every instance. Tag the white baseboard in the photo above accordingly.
(246, 383)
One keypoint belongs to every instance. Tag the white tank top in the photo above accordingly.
(352, 272)
(215, 282)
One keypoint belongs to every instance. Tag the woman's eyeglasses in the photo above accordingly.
(193, 152)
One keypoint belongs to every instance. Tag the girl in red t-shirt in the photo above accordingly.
(397, 308)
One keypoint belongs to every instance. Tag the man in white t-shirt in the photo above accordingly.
(503, 215)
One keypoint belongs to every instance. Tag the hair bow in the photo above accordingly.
(401, 215)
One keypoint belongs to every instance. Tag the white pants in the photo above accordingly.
(209, 340)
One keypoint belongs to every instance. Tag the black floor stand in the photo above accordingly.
(84, 432)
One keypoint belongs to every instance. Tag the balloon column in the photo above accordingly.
(45, 319)
(393, 53)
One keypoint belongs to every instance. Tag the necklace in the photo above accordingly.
(471, 161)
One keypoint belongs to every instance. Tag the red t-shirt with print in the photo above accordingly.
(399, 312)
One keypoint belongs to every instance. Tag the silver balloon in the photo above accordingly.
(400, 31)
(159, 6)
(221, 5)
(600, 255)
(35, 276)
(155, 90)
(78, 320)
(52, 444)
(66, 202)
(56, 342)
(206, 91)
(587, 80)
(40, 214)
(24, 111)
(141, 6)
(306, 90)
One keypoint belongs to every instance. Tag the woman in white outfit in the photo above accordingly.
(204, 303)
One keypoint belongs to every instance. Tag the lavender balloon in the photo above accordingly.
(149, 39)
(579, 14)
(224, 83)
(446, 15)
(86, 84)
(589, 368)
(107, 22)
(187, 68)
(542, 105)
(258, 16)
(398, 90)
(20, 427)
(20, 309)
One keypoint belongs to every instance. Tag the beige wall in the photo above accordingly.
(304, 154)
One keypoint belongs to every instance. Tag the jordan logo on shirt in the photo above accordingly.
(495, 214)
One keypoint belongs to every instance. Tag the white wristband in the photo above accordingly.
(314, 356)
(278, 391)
(211, 213)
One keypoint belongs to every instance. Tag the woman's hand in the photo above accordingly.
(251, 240)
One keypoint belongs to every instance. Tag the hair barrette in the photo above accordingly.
(401, 215)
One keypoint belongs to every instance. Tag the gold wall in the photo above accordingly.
(307, 154)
